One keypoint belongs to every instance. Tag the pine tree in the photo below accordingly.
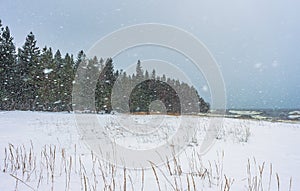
(47, 90)
(81, 57)
(153, 74)
(163, 78)
(146, 75)
(67, 78)
(121, 93)
(28, 61)
(7, 68)
(92, 69)
(104, 87)
(139, 71)
(58, 80)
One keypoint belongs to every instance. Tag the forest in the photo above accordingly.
(40, 79)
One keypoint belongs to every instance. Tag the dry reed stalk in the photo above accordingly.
(156, 177)
(124, 186)
(278, 182)
(270, 177)
(188, 182)
(290, 188)
(228, 183)
(194, 184)
(18, 179)
(143, 180)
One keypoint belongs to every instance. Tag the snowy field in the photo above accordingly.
(43, 151)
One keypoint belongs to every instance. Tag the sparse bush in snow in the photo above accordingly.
(240, 133)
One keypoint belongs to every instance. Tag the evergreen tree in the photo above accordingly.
(81, 57)
(139, 71)
(104, 87)
(28, 61)
(146, 75)
(87, 76)
(58, 80)
(163, 78)
(153, 74)
(67, 79)
(7, 68)
(93, 69)
(47, 93)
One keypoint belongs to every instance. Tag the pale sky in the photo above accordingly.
(256, 43)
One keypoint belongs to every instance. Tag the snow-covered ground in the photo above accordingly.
(43, 151)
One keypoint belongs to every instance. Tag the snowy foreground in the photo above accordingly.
(43, 151)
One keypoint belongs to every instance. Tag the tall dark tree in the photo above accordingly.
(104, 87)
(81, 57)
(67, 79)
(153, 74)
(58, 80)
(47, 93)
(146, 75)
(28, 70)
(139, 71)
(7, 68)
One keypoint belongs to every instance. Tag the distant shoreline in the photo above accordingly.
(271, 115)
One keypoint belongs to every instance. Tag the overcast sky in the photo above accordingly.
(256, 43)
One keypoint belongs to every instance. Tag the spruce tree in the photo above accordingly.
(153, 74)
(7, 69)
(28, 62)
(81, 57)
(146, 75)
(139, 71)
(104, 87)
(67, 78)
(58, 81)
(47, 90)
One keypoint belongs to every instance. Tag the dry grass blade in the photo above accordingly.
(22, 181)
(228, 183)
(188, 182)
(156, 177)
(166, 178)
(278, 184)
(143, 179)
(124, 179)
(290, 189)
(270, 177)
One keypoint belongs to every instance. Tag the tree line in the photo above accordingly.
(42, 80)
